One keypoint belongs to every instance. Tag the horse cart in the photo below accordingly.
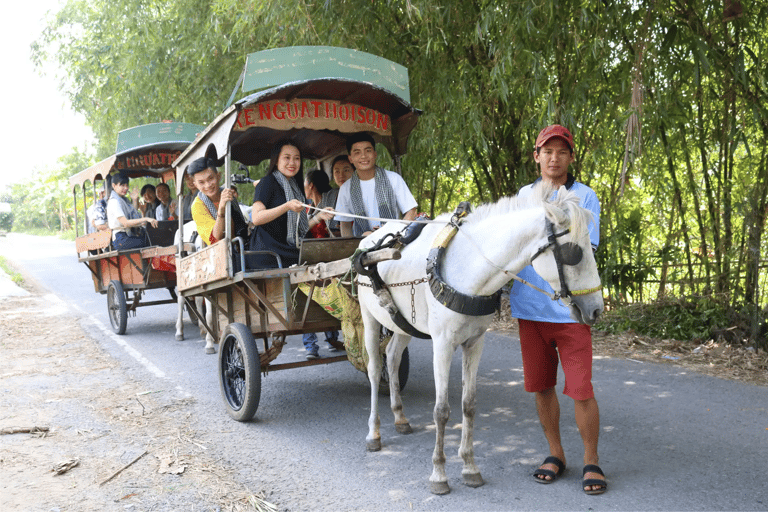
(316, 97)
(125, 275)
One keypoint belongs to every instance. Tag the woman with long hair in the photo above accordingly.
(278, 208)
(124, 219)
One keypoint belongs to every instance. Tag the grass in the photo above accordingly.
(15, 276)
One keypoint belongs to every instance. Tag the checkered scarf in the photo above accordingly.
(385, 198)
(298, 224)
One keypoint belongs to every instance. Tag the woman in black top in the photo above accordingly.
(278, 212)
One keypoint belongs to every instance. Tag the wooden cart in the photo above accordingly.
(124, 276)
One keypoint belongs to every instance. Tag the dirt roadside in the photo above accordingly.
(136, 449)
(99, 422)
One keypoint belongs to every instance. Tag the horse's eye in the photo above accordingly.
(571, 253)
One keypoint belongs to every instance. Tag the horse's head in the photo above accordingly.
(565, 259)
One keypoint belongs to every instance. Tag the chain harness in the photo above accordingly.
(470, 305)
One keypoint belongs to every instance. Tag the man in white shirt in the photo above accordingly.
(371, 192)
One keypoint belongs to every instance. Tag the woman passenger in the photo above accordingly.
(123, 218)
(341, 170)
(150, 200)
(165, 209)
(318, 190)
(278, 213)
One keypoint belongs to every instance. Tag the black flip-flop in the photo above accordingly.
(548, 472)
(603, 485)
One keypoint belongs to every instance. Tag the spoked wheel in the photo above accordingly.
(117, 307)
(402, 372)
(239, 372)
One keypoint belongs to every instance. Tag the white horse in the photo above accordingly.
(493, 243)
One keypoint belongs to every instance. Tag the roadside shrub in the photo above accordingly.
(6, 221)
(696, 318)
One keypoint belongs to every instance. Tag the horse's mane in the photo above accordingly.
(563, 210)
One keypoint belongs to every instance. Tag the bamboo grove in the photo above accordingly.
(668, 101)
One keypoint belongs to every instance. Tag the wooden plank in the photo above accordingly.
(207, 265)
(93, 241)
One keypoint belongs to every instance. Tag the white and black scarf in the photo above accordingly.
(298, 224)
(129, 211)
(385, 198)
(209, 204)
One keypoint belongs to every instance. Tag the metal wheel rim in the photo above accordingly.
(233, 372)
(113, 303)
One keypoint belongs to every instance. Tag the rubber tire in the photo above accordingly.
(117, 307)
(402, 372)
(239, 372)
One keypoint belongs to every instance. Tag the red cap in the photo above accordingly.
(551, 131)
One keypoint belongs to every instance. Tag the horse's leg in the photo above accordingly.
(472, 351)
(180, 320)
(395, 349)
(372, 329)
(210, 348)
(442, 355)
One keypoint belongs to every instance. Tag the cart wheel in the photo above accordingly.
(402, 373)
(117, 307)
(239, 372)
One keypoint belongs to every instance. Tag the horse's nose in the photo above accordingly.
(596, 314)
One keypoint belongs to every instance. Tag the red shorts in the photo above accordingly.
(540, 343)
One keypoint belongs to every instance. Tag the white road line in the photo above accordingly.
(146, 363)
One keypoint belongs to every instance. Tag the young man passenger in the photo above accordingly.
(371, 191)
(547, 330)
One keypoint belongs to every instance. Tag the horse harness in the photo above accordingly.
(568, 253)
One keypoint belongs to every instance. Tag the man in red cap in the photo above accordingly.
(547, 331)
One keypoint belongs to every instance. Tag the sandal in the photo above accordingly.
(548, 472)
(591, 482)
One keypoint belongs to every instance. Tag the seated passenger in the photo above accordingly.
(123, 219)
(184, 201)
(165, 209)
(96, 215)
(317, 189)
(278, 209)
(210, 206)
(341, 170)
(150, 201)
(371, 191)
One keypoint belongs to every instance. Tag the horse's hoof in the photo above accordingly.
(179, 337)
(210, 350)
(404, 428)
(439, 488)
(473, 480)
(373, 446)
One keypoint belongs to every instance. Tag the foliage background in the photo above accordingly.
(667, 100)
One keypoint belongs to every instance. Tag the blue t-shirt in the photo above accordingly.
(529, 304)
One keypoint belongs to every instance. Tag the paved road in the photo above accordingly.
(671, 440)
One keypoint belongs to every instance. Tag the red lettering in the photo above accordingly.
(382, 121)
(370, 117)
(291, 115)
(360, 114)
(344, 112)
(317, 104)
(281, 113)
(249, 121)
(240, 117)
(155, 160)
(264, 112)
(304, 108)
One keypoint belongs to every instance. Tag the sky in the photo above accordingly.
(38, 125)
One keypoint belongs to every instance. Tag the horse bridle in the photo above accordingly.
(568, 253)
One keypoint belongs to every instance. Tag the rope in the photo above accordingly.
(401, 221)
(553, 296)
